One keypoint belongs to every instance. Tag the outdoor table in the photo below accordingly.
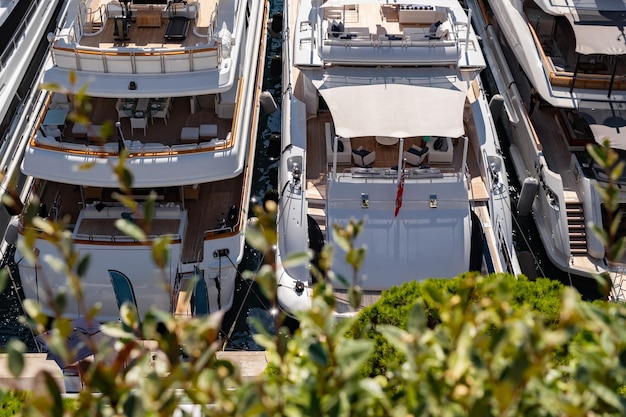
(55, 117)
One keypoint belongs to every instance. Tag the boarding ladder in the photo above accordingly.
(316, 206)
(576, 228)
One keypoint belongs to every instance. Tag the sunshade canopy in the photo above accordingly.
(615, 134)
(597, 34)
(403, 102)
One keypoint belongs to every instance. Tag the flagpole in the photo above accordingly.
(400, 164)
(121, 142)
(400, 179)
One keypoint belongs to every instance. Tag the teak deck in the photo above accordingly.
(142, 36)
(204, 213)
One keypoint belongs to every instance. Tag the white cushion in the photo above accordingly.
(188, 134)
(80, 129)
(207, 131)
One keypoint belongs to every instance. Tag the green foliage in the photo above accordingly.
(394, 306)
(11, 402)
(488, 358)
(470, 346)
(609, 160)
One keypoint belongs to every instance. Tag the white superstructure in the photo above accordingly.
(174, 85)
(385, 78)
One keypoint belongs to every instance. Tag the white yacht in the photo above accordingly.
(562, 71)
(23, 25)
(23, 28)
(175, 85)
(385, 119)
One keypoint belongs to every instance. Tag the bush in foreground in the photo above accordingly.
(395, 304)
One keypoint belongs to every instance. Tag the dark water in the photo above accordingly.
(11, 310)
(249, 301)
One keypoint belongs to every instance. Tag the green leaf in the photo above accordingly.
(256, 239)
(83, 265)
(117, 331)
(619, 247)
(607, 395)
(133, 406)
(614, 226)
(125, 177)
(340, 238)
(4, 279)
(416, 321)
(355, 295)
(131, 229)
(128, 314)
(616, 172)
(318, 354)
(396, 337)
(126, 200)
(161, 251)
(352, 354)
(355, 257)
(149, 208)
(16, 349)
(55, 394)
(296, 259)
(32, 309)
(86, 166)
(60, 300)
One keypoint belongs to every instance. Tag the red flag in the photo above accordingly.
(399, 194)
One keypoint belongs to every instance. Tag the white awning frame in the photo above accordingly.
(398, 102)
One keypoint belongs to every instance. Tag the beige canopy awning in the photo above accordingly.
(616, 135)
(399, 102)
(597, 36)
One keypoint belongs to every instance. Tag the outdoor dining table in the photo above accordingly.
(387, 140)
(142, 104)
(55, 117)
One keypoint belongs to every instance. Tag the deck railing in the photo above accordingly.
(385, 174)
(359, 38)
(135, 61)
(135, 149)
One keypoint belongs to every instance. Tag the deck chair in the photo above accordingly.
(138, 123)
(160, 114)
(59, 101)
(200, 298)
(123, 288)
(51, 131)
(415, 155)
(363, 157)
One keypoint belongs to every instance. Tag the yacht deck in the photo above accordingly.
(158, 130)
(206, 208)
(207, 204)
(386, 157)
(150, 35)
(375, 19)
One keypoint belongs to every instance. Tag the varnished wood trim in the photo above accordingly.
(112, 242)
(159, 52)
(566, 78)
